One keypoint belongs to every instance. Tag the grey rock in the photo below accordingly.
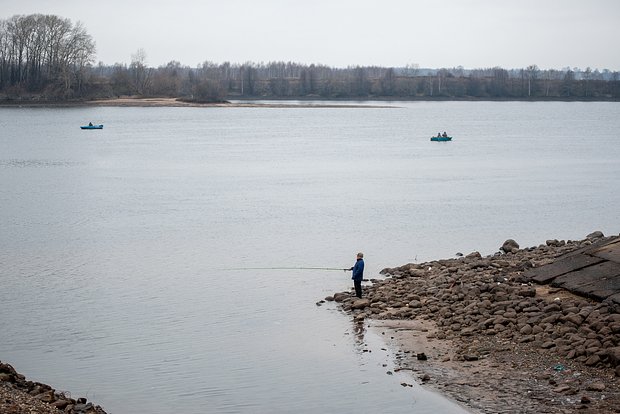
(360, 303)
(595, 235)
(509, 246)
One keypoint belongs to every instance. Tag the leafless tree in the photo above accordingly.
(532, 76)
(40, 52)
(140, 73)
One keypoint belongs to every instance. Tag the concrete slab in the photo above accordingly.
(610, 252)
(593, 272)
(546, 274)
(615, 298)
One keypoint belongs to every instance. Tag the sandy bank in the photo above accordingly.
(470, 328)
(173, 102)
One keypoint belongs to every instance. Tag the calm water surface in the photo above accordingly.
(117, 245)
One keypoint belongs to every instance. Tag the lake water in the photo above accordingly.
(119, 246)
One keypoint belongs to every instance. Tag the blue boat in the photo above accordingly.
(441, 139)
(100, 126)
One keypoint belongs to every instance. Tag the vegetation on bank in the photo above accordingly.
(47, 58)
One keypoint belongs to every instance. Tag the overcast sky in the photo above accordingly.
(552, 34)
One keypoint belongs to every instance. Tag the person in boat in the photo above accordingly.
(444, 134)
(90, 124)
(439, 135)
(358, 274)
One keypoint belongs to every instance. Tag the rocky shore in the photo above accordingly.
(474, 329)
(19, 396)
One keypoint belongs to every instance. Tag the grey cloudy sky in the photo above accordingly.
(552, 34)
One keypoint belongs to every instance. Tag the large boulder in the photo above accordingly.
(595, 235)
(341, 296)
(510, 246)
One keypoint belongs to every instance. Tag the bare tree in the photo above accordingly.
(587, 75)
(532, 76)
(44, 52)
(140, 73)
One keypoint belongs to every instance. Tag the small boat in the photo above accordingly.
(441, 139)
(100, 126)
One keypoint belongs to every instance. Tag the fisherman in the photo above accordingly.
(358, 274)
(90, 124)
(444, 134)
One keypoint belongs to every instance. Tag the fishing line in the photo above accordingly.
(284, 268)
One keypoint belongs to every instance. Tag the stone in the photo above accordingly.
(60, 404)
(593, 360)
(47, 396)
(595, 386)
(595, 235)
(469, 331)
(509, 246)
(360, 303)
(613, 355)
(83, 407)
(341, 297)
(527, 292)
(421, 356)
(562, 389)
(574, 319)
(416, 273)
(554, 307)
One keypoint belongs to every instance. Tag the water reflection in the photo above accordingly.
(359, 328)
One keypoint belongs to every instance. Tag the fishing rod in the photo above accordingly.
(286, 268)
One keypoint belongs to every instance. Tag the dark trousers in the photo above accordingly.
(358, 288)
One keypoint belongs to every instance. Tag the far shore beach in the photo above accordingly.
(173, 102)
(257, 102)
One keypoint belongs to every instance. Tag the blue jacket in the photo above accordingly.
(358, 270)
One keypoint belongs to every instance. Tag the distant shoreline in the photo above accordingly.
(173, 103)
(274, 102)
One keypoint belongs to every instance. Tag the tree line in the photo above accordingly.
(44, 54)
(47, 57)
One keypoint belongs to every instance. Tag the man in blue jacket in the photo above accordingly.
(358, 274)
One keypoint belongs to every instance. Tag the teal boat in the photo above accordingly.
(441, 139)
(100, 126)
